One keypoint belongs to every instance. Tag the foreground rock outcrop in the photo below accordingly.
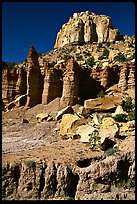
(93, 176)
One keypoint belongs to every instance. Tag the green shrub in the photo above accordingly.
(99, 45)
(131, 115)
(120, 57)
(105, 54)
(107, 44)
(128, 106)
(90, 61)
(94, 138)
(86, 53)
(79, 57)
(100, 94)
(52, 63)
(120, 118)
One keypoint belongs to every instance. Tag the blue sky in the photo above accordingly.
(37, 23)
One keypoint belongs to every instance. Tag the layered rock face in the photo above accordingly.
(86, 27)
(34, 79)
(71, 84)
(127, 77)
(14, 82)
(52, 84)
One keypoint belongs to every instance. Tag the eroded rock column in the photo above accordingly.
(123, 77)
(34, 87)
(70, 84)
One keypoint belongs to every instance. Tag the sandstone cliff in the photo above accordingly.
(86, 27)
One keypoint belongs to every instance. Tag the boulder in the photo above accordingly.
(119, 110)
(41, 116)
(109, 124)
(103, 104)
(109, 130)
(69, 124)
(85, 131)
(65, 110)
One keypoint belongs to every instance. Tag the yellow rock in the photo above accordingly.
(69, 124)
(41, 116)
(110, 124)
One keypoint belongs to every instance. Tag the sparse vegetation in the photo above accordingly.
(90, 61)
(94, 139)
(107, 44)
(128, 105)
(52, 63)
(131, 115)
(79, 57)
(99, 45)
(86, 53)
(100, 94)
(120, 118)
(120, 57)
(105, 54)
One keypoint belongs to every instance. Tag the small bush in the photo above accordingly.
(128, 106)
(52, 63)
(79, 57)
(100, 94)
(91, 61)
(120, 57)
(86, 53)
(131, 115)
(94, 138)
(99, 45)
(104, 55)
(120, 118)
(107, 44)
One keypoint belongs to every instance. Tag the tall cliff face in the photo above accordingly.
(52, 84)
(86, 27)
(14, 83)
(34, 79)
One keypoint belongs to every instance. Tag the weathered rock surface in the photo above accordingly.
(103, 104)
(94, 177)
(34, 79)
(14, 83)
(85, 131)
(86, 27)
(69, 124)
(70, 84)
(52, 84)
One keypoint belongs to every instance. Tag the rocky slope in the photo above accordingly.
(60, 139)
